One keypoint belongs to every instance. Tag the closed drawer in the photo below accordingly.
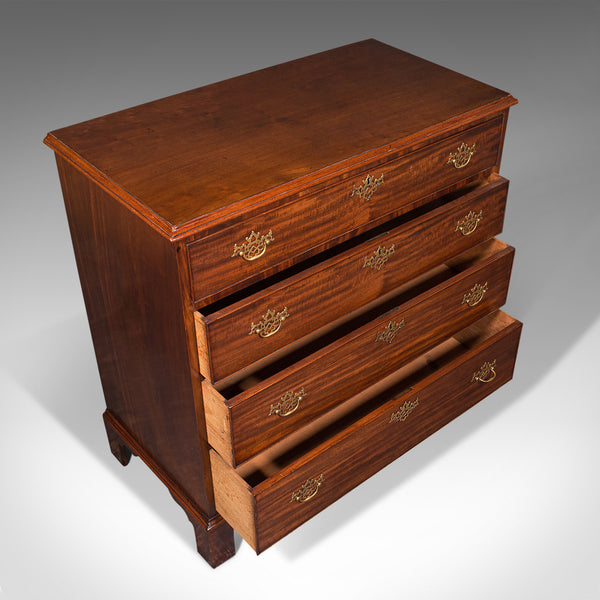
(247, 416)
(267, 242)
(234, 336)
(282, 488)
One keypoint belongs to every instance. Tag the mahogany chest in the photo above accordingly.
(291, 278)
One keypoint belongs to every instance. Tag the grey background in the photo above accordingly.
(502, 503)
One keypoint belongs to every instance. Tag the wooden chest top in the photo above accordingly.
(201, 155)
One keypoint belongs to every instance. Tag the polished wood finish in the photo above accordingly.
(322, 292)
(441, 383)
(139, 335)
(431, 309)
(201, 155)
(322, 218)
(214, 537)
(118, 447)
(159, 198)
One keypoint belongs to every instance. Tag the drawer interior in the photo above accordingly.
(282, 454)
(261, 371)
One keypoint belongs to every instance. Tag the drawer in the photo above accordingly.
(267, 242)
(280, 489)
(248, 415)
(233, 336)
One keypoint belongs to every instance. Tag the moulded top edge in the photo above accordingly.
(202, 155)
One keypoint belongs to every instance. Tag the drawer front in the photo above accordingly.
(284, 402)
(304, 302)
(262, 245)
(312, 482)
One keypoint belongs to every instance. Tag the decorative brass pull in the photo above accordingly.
(486, 373)
(270, 324)
(405, 410)
(378, 258)
(367, 188)
(468, 224)
(475, 296)
(388, 333)
(288, 403)
(254, 246)
(462, 156)
(309, 489)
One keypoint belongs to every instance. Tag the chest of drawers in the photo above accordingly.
(291, 278)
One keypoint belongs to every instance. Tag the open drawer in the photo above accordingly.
(254, 409)
(281, 488)
(237, 331)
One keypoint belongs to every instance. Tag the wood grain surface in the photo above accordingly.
(298, 227)
(139, 335)
(351, 363)
(369, 438)
(159, 195)
(340, 284)
(191, 157)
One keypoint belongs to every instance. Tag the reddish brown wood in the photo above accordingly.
(255, 275)
(330, 289)
(214, 537)
(370, 98)
(214, 540)
(502, 137)
(158, 195)
(365, 440)
(298, 227)
(139, 335)
(118, 447)
(330, 373)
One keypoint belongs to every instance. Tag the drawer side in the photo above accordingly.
(234, 499)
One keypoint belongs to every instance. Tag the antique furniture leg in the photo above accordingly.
(117, 446)
(214, 537)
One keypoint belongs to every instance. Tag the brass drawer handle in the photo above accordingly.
(468, 224)
(308, 490)
(378, 258)
(388, 333)
(270, 323)
(486, 373)
(367, 188)
(404, 411)
(288, 403)
(462, 156)
(475, 296)
(254, 246)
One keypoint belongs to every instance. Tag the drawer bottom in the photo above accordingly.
(281, 488)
